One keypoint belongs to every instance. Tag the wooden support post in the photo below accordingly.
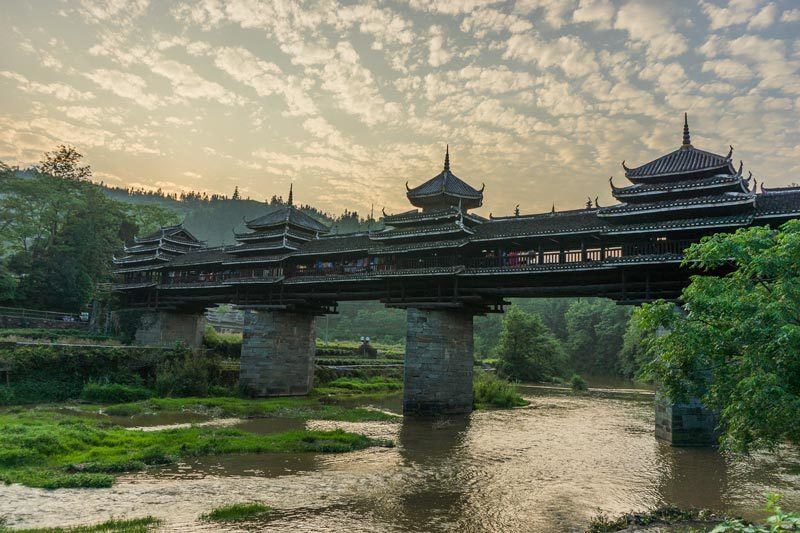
(583, 251)
(541, 254)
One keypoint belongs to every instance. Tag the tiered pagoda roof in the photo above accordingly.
(155, 250)
(686, 183)
(445, 190)
(274, 236)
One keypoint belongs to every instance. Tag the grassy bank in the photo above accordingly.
(492, 392)
(48, 449)
(238, 512)
(134, 525)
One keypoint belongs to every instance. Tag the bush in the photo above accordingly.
(187, 376)
(578, 384)
(114, 393)
(488, 390)
(238, 512)
(227, 345)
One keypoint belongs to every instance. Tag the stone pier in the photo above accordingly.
(685, 424)
(277, 353)
(165, 328)
(438, 365)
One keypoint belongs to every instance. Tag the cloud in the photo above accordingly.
(437, 54)
(265, 78)
(651, 24)
(728, 69)
(568, 53)
(187, 84)
(58, 90)
(555, 11)
(485, 20)
(124, 85)
(599, 12)
(117, 12)
(791, 15)
(734, 13)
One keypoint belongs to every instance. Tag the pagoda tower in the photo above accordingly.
(687, 183)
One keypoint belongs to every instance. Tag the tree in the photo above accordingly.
(738, 346)
(527, 349)
(595, 327)
(64, 163)
(236, 195)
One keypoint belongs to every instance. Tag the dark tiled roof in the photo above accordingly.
(201, 257)
(278, 244)
(414, 246)
(254, 259)
(695, 202)
(684, 160)
(645, 189)
(446, 183)
(681, 224)
(171, 232)
(355, 242)
(414, 216)
(778, 202)
(581, 220)
(288, 214)
(423, 229)
(261, 235)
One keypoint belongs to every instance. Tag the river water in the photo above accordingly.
(547, 467)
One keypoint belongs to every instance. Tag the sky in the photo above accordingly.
(541, 100)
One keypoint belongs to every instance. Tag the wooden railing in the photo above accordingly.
(510, 260)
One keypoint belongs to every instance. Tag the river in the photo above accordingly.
(547, 467)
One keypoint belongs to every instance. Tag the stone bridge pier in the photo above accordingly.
(278, 348)
(165, 328)
(438, 364)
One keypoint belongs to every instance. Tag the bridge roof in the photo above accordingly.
(354, 242)
(778, 202)
(554, 223)
(287, 214)
(645, 190)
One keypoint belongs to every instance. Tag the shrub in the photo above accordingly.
(114, 393)
(578, 384)
(488, 390)
(225, 344)
(778, 520)
(187, 376)
(527, 348)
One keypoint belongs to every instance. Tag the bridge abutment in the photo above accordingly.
(277, 353)
(438, 364)
(686, 423)
(164, 328)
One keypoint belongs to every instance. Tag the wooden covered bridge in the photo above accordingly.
(442, 263)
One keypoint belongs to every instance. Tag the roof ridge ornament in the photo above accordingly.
(687, 138)
(624, 167)
(289, 202)
(447, 158)
(730, 152)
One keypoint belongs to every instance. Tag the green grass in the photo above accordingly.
(238, 512)
(490, 391)
(114, 393)
(46, 449)
(134, 525)
(369, 385)
(298, 407)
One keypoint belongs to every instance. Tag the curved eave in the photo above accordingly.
(134, 260)
(411, 234)
(646, 177)
(243, 250)
(642, 209)
(621, 193)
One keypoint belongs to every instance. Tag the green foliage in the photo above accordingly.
(488, 391)
(50, 450)
(51, 335)
(61, 232)
(186, 376)
(134, 525)
(634, 357)
(238, 512)
(41, 373)
(114, 393)
(527, 349)
(777, 521)
(364, 319)
(738, 347)
(227, 345)
(578, 384)
(595, 327)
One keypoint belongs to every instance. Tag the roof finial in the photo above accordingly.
(289, 202)
(447, 158)
(687, 139)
